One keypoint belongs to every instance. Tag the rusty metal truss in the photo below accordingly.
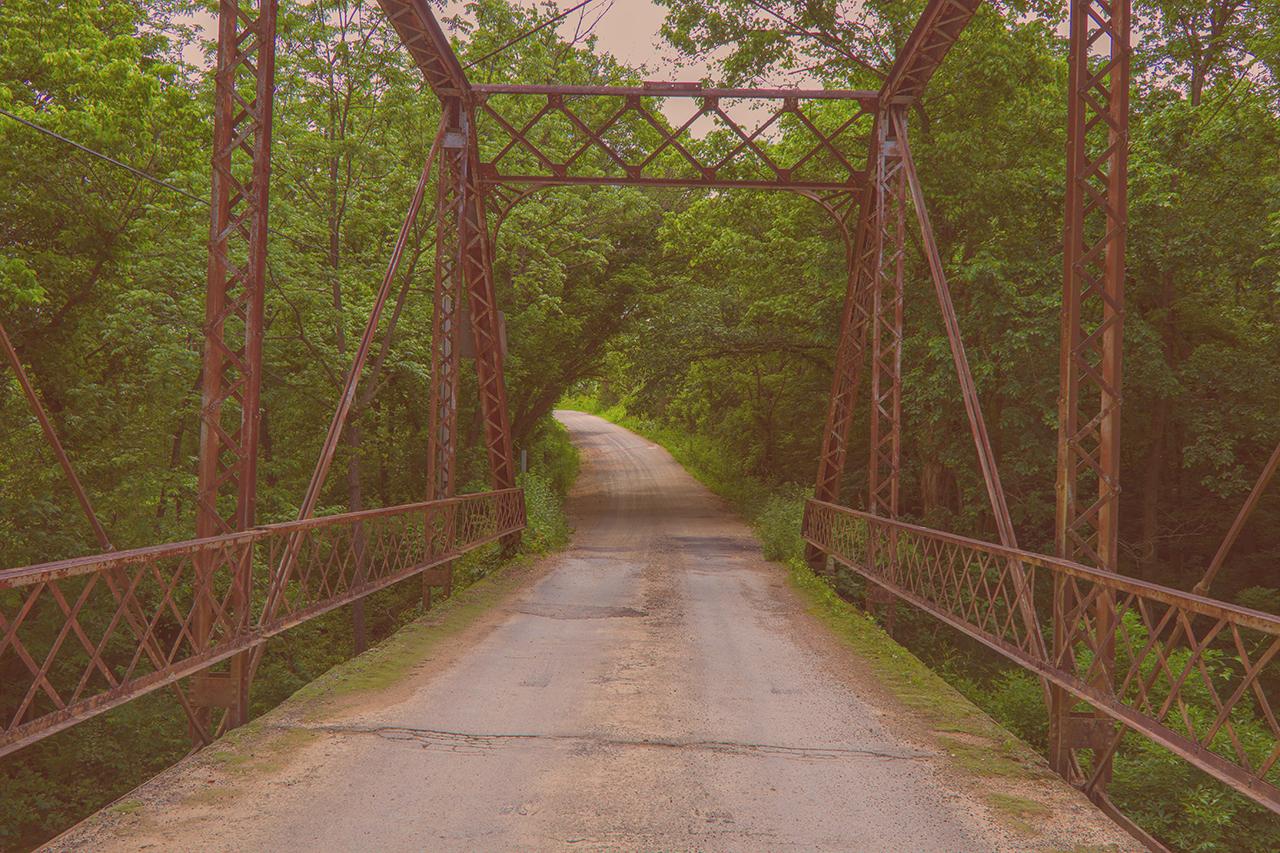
(1088, 485)
(1115, 654)
(231, 376)
(131, 620)
(566, 135)
(1167, 655)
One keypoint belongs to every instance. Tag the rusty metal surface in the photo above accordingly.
(128, 620)
(487, 331)
(847, 375)
(1087, 523)
(231, 373)
(352, 381)
(964, 375)
(1093, 297)
(232, 370)
(420, 34)
(598, 135)
(1172, 648)
(889, 233)
(442, 434)
(51, 436)
(939, 26)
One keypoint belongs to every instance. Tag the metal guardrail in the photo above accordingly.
(79, 637)
(1193, 674)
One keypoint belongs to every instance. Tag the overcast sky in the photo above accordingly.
(629, 31)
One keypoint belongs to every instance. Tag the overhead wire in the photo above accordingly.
(146, 176)
(526, 34)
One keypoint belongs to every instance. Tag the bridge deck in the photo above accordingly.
(657, 685)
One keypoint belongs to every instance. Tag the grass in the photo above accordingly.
(129, 806)
(1018, 812)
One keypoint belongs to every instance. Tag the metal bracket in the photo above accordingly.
(211, 690)
(1084, 730)
(438, 575)
(877, 594)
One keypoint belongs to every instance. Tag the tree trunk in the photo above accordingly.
(1153, 476)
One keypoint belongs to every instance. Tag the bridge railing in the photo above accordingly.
(1195, 675)
(82, 636)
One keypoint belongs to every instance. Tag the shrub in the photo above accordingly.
(778, 526)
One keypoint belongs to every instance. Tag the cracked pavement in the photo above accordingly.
(657, 685)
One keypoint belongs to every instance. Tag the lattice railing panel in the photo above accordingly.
(1195, 675)
(81, 636)
(589, 136)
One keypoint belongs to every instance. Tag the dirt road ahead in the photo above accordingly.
(658, 685)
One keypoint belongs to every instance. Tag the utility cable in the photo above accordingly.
(147, 176)
(108, 158)
(524, 35)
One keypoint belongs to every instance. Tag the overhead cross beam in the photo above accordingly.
(563, 135)
(939, 26)
(422, 37)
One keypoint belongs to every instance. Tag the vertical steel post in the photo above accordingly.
(450, 199)
(442, 438)
(485, 327)
(232, 371)
(1087, 527)
(885, 467)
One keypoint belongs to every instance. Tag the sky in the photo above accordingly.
(629, 31)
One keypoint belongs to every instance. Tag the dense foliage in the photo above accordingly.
(712, 315)
(101, 290)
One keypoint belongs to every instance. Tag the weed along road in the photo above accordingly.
(656, 685)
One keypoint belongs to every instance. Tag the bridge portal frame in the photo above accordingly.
(868, 201)
(1091, 338)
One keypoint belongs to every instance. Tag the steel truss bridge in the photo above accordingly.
(194, 615)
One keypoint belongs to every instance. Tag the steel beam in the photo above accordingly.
(51, 436)
(477, 269)
(601, 135)
(939, 26)
(451, 201)
(651, 89)
(860, 260)
(351, 384)
(889, 234)
(1087, 527)
(420, 33)
(232, 370)
(968, 389)
(1220, 556)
